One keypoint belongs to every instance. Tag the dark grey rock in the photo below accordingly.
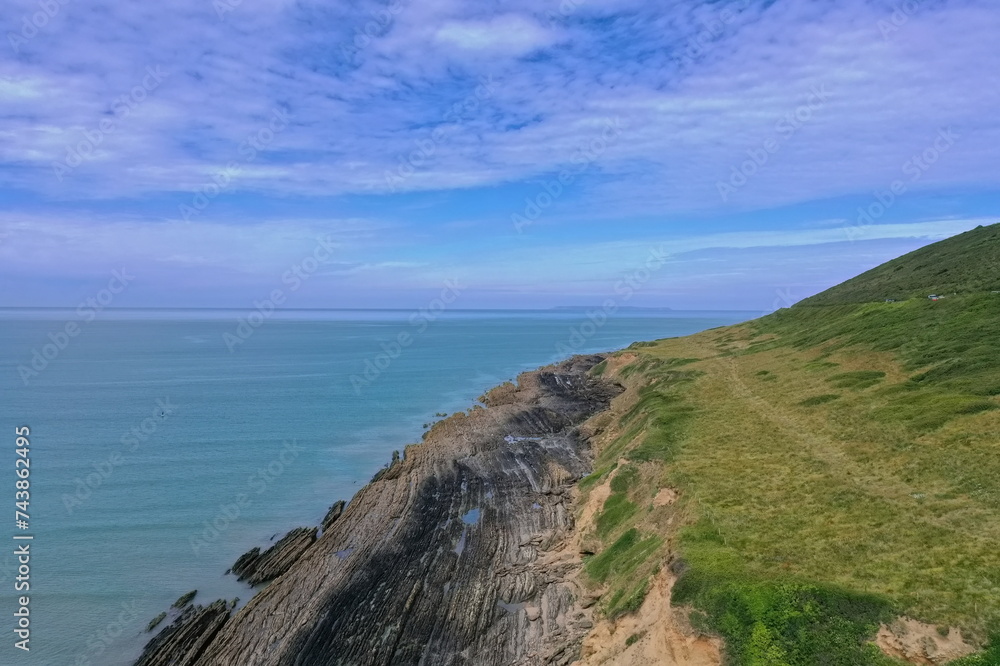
(255, 567)
(183, 642)
(441, 559)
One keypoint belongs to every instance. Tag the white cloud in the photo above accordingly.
(509, 34)
(358, 111)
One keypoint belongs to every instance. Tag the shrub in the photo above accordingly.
(788, 623)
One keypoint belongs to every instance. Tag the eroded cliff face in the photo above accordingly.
(452, 555)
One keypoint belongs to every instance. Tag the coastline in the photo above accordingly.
(455, 549)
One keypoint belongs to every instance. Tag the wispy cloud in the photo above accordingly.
(695, 85)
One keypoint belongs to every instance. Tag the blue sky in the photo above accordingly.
(536, 153)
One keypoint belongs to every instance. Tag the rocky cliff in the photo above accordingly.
(451, 555)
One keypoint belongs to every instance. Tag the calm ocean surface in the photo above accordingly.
(119, 517)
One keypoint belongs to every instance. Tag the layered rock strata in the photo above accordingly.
(256, 567)
(451, 555)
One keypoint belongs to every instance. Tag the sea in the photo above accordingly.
(163, 444)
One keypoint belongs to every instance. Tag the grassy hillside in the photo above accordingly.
(836, 466)
(962, 264)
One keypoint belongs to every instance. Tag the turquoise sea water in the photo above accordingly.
(146, 430)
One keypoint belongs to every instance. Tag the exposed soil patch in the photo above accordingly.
(920, 643)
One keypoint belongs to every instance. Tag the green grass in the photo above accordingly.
(925, 411)
(952, 343)
(991, 657)
(591, 480)
(617, 509)
(819, 400)
(623, 556)
(661, 367)
(961, 264)
(950, 348)
(627, 599)
(858, 380)
(664, 417)
(653, 399)
(811, 516)
(625, 563)
(885, 519)
(646, 364)
(785, 623)
(839, 534)
(610, 454)
(625, 479)
(821, 365)
(662, 441)
(771, 619)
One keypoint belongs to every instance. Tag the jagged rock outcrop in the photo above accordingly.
(450, 556)
(184, 641)
(335, 512)
(255, 567)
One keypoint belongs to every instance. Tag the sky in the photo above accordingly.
(737, 154)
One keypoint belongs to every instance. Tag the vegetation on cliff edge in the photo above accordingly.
(837, 464)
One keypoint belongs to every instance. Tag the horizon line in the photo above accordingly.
(244, 309)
